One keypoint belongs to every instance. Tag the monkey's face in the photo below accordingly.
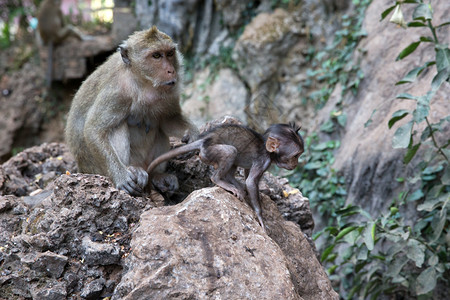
(288, 161)
(153, 56)
(161, 67)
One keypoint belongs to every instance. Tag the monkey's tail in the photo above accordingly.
(173, 153)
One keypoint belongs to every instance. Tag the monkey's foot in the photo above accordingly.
(261, 222)
(237, 193)
(165, 182)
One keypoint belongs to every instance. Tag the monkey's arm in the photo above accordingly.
(252, 185)
(107, 137)
(173, 153)
(180, 126)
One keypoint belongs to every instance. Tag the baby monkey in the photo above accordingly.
(229, 146)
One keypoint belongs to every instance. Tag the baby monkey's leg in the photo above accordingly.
(222, 157)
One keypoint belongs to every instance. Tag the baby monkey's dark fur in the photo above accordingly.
(227, 147)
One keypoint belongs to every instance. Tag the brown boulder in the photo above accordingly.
(211, 245)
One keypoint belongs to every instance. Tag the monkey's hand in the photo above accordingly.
(135, 181)
(165, 182)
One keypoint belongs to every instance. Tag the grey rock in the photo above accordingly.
(102, 254)
(50, 263)
(227, 95)
(52, 290)
(93, 289)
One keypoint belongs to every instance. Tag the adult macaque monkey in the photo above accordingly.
(53, 30)
(227, 147)
(123, 114)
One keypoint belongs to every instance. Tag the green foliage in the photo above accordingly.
(317, 179)
(333, 64)
(11, 12)
(214, 62)
(223, 60)
(392, 254)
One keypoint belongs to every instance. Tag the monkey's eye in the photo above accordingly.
(156, 55)
(170, 53)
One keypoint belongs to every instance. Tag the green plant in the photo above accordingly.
(392, 254)
(317, 179)
(334, 64)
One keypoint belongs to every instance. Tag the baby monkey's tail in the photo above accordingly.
(173, 153)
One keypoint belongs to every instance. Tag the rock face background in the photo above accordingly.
(75, 236)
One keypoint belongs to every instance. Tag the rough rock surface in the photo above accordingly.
(20, 112)
(193, 24)
(66, 236)
(259, 52)
(227, 95)
(213, 247)
(70, 58)
(366, 154)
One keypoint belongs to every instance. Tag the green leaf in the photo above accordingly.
(411, 153)
(442, 57)
(411, 76)
(443, 24)
(408, 50)
(326, 252)
(423, 12)
(397, 116)
(369, 235)
(313, 165)
(438, 223)
(426, 39)
(396, 266)
(327, 127)
(385, 13)
(426, 281)
(433, 260)
(445, 178)
(416, 24)
(416, 252)
(345, 231)
(402, 136)
(367, 124)
(342, 119)
(441, 76)
(430, 204)
(406, 96)
(416, 195)
(423, 108)
(433, 169)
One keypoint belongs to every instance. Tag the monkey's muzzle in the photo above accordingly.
(170, 83)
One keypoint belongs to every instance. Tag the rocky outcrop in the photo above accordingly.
(366, 157)
(259, 53)
(65, 236)
(21, 113)
(227, 95)
(192, 24)
(212, 246)
(70, 59)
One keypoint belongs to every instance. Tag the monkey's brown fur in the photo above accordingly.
(123, 114)
(227, 147)
(53, 31)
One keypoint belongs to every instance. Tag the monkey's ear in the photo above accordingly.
(272, 144)
(123, 48)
